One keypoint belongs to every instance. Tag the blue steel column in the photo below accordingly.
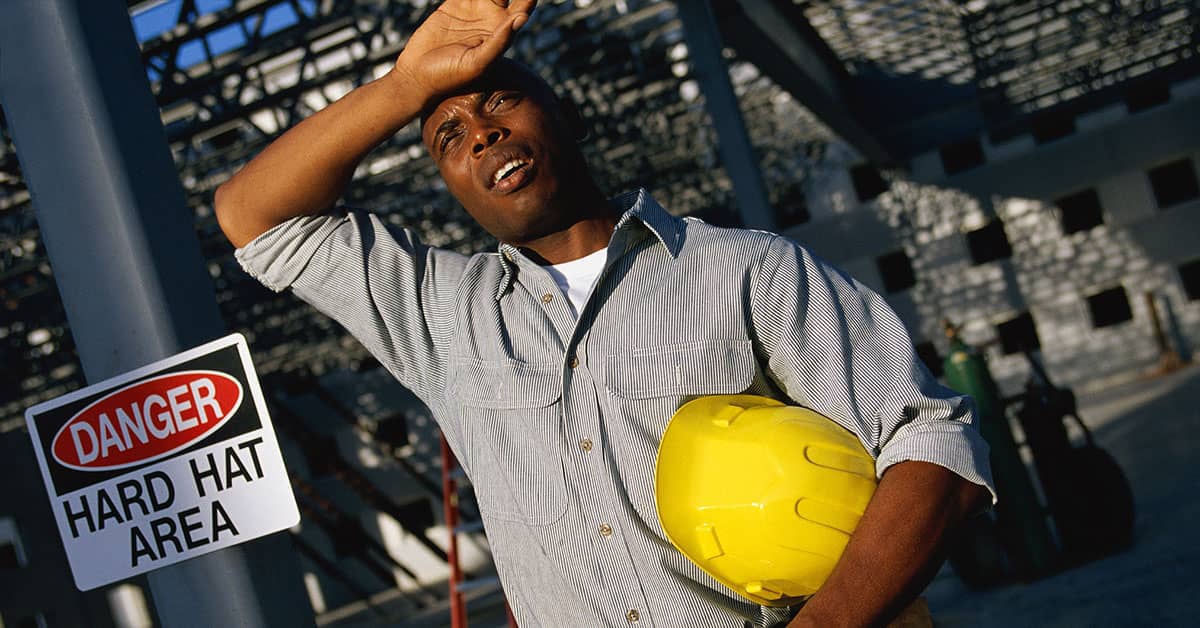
(127, 262)
(708, 66)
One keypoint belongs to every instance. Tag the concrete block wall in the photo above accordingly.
(1050, 274)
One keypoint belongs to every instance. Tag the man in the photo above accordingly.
(554, 365)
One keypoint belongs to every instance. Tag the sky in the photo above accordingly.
(161, 17)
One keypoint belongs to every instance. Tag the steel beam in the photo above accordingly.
(737, 154)
(776, 37)
(128, 266)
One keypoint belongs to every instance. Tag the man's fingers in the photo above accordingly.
(518, 6)
(493, 47)
(521, 6)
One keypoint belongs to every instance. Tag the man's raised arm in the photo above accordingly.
(306, 169)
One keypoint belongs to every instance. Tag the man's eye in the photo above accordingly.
(504, 101)
(446, 141)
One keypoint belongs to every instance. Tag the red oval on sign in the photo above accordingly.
(147, 420)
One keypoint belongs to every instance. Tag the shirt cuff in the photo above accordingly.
(278, 256)
(949, 444)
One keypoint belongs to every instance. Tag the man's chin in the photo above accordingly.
(535, 197)
(532, 227)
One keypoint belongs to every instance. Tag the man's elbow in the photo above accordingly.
(225, 208)
(971, 498)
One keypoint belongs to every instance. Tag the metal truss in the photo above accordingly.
(623, 62)
(1017, 62)
(1035, 58)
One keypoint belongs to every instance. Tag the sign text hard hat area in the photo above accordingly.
(168, 462)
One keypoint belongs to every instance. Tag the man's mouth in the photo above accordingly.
(511, 175)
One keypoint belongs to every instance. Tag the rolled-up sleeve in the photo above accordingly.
(392, 292)
(835, 346)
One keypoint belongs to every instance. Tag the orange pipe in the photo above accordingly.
(458, 612)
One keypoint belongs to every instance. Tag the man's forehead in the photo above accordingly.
(446, 108)
(451, 102)
(504, 75)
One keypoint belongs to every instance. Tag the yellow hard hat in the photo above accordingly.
(760, 495)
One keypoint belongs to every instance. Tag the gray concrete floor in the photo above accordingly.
(1152, 428)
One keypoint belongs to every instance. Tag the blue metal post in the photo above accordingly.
(128, 265)
(737, 154)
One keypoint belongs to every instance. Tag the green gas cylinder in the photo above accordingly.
(1020, 518)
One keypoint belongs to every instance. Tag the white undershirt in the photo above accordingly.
(577, 277)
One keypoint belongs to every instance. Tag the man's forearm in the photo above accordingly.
(306, 169)
(896, 548)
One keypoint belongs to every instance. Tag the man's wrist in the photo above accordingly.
(403, 83)
(815, 616)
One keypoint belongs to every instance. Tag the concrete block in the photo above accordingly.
(865, 271)
(1101, 118)
(927, 166)
(831, 195)
(1172, 236)
(846, 236)
(1004, 151)
(905, 307)
(1126, 198)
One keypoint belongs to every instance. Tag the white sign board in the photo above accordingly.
(173, 460)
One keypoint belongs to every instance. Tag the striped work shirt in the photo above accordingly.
(557, 420)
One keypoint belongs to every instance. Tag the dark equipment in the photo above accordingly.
(1012, 539)
(1086, 492)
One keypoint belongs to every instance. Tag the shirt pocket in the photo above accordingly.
(646, 387)
(510, 418)
(691, 369)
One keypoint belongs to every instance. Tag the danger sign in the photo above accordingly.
(170, 461)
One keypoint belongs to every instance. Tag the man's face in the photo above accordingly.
(505, 151)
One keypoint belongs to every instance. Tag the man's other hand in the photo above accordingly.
(455, 44)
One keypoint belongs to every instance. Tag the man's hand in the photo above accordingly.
(455, 44)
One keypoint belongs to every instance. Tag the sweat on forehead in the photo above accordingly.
(504, 73)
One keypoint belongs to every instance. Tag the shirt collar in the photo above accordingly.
(637, 207)
(640, 205)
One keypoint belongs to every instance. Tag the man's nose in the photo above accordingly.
(486, 136)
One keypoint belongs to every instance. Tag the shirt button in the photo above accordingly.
(605, 530)
(546, 298)
(573, 362)
(586, 444)
(632, 616)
